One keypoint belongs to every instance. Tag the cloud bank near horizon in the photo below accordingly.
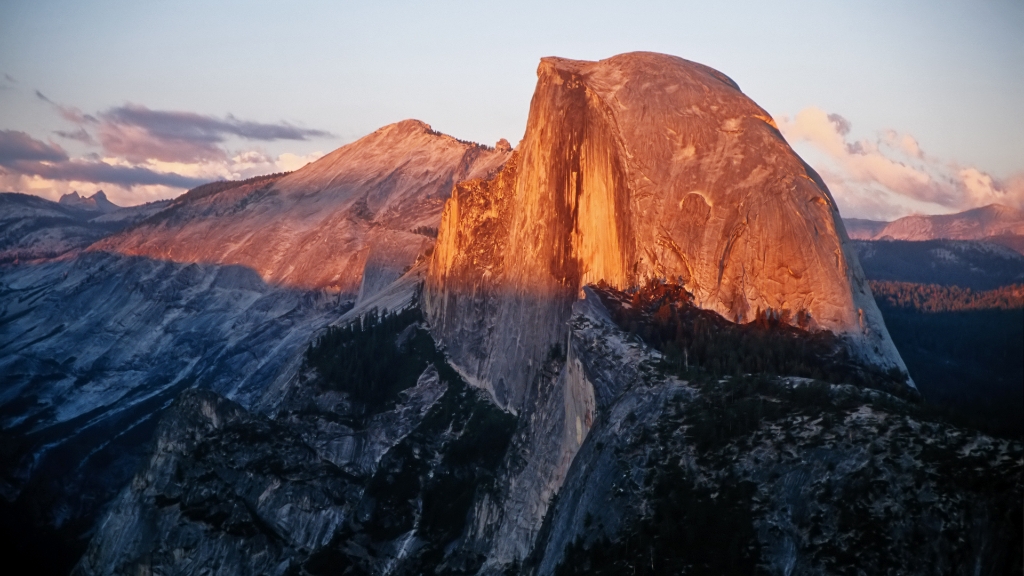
(143, 154)
(891, 176)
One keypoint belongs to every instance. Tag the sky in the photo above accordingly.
(903, 107)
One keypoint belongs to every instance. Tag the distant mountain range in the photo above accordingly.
(32, 228)
(994, 223)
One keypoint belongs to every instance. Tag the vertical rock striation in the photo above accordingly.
(636, 167)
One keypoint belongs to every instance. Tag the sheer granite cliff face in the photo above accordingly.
(635, 167)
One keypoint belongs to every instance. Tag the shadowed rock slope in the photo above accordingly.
(635, 167)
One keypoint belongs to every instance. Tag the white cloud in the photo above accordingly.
(892, 176)
(54, 189)
(241, 165)
(288, 162)
(146, 154)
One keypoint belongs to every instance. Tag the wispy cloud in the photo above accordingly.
(891, 175)
(24, 155)
(142, 154)
(140, 134)
(79, 135)
(101, 172)
(69, 113)
(18, 146)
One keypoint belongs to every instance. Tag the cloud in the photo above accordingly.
(138, 134)
(24, 155)
(69, 113)
(892, 175)
(144, 154)
(192, 126)
(80, 135)
(16, 146)
(982, 189)
(100, 172)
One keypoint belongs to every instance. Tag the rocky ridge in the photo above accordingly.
(362, 208)
(96, 203)
(33, 228)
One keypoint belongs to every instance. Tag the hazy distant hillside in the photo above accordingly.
(994, 223)
(33, 227)
(861, 229)
(964, 263)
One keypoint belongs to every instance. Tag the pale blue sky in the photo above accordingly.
(949, 73)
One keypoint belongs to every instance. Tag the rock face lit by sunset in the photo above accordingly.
(700, 304)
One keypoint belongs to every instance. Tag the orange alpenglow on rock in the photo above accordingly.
(345, 223)
(636, 167)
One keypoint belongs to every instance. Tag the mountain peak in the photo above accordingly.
(96, 203)
(650, 64)
(350, 221)
(70, 198)
(406, 126)
(1000, 211)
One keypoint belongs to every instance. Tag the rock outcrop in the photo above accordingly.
(96, 203)
(636, 167)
